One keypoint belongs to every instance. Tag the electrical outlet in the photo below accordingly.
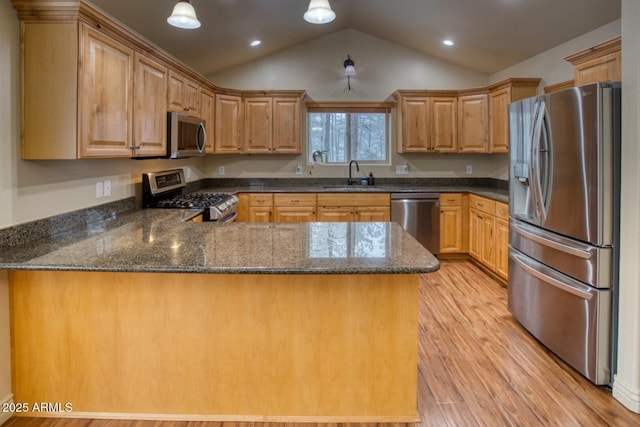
(298, 169)
(402, 169)
(187, 173)
(221, 170)
(99, 192)
(106, 188)
(469, 169)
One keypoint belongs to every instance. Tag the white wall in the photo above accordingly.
(550, 65)
(626, 386)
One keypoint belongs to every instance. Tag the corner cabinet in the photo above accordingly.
(489, 234)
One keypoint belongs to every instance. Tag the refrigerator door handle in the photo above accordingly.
(554, 245)
(541, 111)
(522, 262)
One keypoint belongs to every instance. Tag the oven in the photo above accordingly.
(167, 190)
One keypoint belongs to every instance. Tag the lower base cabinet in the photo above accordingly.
(340, 207)
(489, 234)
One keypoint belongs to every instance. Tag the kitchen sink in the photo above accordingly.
(355, 188)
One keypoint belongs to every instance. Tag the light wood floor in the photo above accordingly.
(477, 367)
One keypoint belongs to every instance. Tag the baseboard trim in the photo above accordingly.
(626, 395)
(229, 418)
(4, 416)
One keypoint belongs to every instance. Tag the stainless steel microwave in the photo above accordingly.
(187, 136)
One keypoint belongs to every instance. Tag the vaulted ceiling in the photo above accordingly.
(489, 35)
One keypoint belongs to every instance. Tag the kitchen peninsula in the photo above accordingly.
(145, 316)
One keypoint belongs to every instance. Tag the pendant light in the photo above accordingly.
(319, 12)
(184, 16)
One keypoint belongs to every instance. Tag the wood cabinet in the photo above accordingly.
(343, 207)
(272, 124)
(260, 207)
(502, 240)
(428, 123)
(183, 95)
(599, 63)
(106, 97)
(228, 124)
(207, 113)
(489, 234)
(444, 124)
(90, 88)
(500, 96)
(294, 207)
(149, 114)
(453, 223)
(473, 123)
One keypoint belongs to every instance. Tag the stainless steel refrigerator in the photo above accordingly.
(564, 228)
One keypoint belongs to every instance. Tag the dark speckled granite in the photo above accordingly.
(156, 240)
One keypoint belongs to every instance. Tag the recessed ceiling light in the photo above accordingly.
(255, 43)
(448, 42)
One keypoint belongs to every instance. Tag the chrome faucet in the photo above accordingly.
(351, 180)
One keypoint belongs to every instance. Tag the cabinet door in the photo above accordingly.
(451, 229)
(488, 256)
(335, 214)
(228, 127)
(149, 114)
(286, 125)
(207, 101)
(260, 214)
(371, 214)
(415, 125)
(257, 125)
(294, 214)
(183, 95)
(106, 96)
(475, 233)
(473, 127)
(502, 248)
(444, 131)
(499, 120)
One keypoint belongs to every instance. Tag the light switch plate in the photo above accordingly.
(99, 192)
(106, 187)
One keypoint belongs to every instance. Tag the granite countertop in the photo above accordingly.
(489, 192)
(157, 240)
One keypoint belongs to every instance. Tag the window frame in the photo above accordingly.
(352, 107)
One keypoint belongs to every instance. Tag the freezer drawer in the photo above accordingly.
(571, 319)
(589, 264)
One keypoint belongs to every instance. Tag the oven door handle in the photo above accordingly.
(230, 218)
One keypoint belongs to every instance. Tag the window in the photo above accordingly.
(339, 134)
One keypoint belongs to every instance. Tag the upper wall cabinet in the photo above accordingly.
(207, 113)
(427, 122)
(228, 125)
(598, 63)
(473, 122)
(149, 114)
(92, 88)
(184, 95)
(500, 96)
(272, 123)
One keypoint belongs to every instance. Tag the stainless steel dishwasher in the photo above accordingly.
(419, 215)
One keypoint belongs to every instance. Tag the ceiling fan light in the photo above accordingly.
(319, 12)
(184, 16)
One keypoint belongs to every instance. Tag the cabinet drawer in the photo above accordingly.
(451, 199)
(295, 199)
(260, 199)
(502, 210)
(351, 199)
(482, 204)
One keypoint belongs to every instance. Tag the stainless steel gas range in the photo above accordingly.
(167, 190)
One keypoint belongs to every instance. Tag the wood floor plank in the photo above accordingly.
(477, 367)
